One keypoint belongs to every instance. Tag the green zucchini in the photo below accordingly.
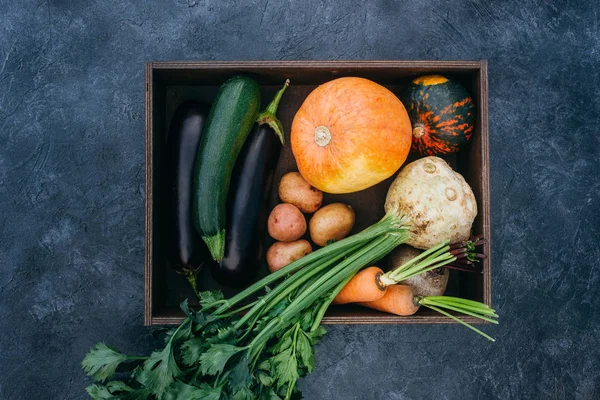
(230, 119)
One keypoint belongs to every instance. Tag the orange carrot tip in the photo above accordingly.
(398, 300)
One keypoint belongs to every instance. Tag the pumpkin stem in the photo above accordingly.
(418, 131)
(269, 115)
(322, 135)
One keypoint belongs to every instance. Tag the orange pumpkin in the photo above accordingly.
(350, 134)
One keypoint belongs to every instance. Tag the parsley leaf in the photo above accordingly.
(214, 359)
(102, 362)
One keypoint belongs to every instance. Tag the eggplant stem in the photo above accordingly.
(191, 278)
(269, 115)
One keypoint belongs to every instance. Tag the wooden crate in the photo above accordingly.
(168, 84)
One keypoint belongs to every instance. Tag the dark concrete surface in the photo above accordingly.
(72, 185)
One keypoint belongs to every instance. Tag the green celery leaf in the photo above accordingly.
(210, 297)
(317, 334)
(140, 375)
(209, 393)
(240, 377)
(243, 394)
(203, 319)
(168, 335)
(262, 323)
(180, 333)
(264, 378)
(118, 386)
(275, 312)
(265, 365)
(182, 391)
(284, 342)
(286, 368)
(224, 335)
(296, 394)
(185, 307)
(185, 332)
(140, 394)
(211, 324)
(269, 394)
(99, 392)
(102, 362)
(307, 318)
(192, 349)
(214, 359)
(305, 351)
(161, 370)
(279, 307)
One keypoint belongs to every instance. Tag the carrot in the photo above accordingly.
(370, 284)
(398, 299)
(401, 300)
(364, 286)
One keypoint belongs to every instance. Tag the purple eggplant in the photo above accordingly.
(247, 203)
(185, 249)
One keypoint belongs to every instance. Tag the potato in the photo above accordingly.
(286, 223)
(332, 222)
(281, 254)
(294, 189)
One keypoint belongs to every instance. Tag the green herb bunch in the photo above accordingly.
(240, 349)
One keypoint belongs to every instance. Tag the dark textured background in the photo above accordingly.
(72, 180)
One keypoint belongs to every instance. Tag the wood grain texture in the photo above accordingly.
(149, 217)
(198, 80)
